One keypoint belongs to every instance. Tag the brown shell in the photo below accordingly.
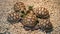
(29, 20)
(41, 12)
(19, 6)
(13, 17)
(45, 25)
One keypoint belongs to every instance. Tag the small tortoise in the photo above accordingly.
(45, 25)
(41, 12)
(19, 7)
(14, 17)
(29, 21)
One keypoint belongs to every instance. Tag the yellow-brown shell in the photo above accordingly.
(45, 25)
(29, 20)
(13, 17)
(41, 12)
(19, 6)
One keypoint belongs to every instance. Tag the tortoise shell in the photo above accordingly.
(29, 21)
(41, 12)
(45, 25)
(19, 6)
(13, 17)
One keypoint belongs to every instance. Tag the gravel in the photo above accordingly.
(6, 6)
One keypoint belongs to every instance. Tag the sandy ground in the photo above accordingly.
(6, 6)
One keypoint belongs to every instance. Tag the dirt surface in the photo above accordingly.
(6, 6)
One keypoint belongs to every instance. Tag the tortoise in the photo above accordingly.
(29, 21)
(13, 17)
(45, 25)
(41, 12)
(19, 6)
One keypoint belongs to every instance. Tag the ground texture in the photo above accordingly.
(6, 6)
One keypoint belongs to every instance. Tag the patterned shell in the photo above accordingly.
(29, 20)
(41, 12)
(19, 6)
(45, 25)
(13, 17)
